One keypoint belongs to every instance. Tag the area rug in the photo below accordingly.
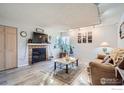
(69, 77)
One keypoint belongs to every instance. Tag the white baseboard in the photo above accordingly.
(22, 65)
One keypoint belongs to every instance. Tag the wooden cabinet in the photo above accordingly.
(8, 47)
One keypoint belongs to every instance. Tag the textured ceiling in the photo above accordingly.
(47, 15)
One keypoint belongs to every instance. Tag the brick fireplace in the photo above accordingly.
(37, 52)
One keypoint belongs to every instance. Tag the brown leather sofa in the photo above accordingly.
(104, 74)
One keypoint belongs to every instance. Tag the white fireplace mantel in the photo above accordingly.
(44, 44)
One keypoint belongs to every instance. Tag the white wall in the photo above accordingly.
(22, 42)
(88, 51)
(113, 14)
(107, 31)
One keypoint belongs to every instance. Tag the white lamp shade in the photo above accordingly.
(104, 44)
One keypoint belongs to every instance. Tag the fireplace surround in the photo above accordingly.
(37, 52)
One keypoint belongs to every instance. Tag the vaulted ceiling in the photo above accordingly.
(63, 15)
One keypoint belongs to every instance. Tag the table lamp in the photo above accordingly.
(104, 46)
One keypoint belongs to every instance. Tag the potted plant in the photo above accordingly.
(65, 48)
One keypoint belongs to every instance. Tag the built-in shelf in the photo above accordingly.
(44, 44)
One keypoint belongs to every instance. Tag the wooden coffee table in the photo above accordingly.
(66, 62)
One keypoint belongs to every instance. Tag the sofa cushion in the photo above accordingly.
(113, 54)
(116, 53)
(120, 59)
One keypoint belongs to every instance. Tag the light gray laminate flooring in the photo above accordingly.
(40, 73)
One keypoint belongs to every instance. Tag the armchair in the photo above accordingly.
(103, 74)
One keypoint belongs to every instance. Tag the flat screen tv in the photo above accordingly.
(39, 38)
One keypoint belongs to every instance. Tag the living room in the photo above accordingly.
(68, 38)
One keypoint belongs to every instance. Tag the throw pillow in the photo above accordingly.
(106, 58)
(121, 65)
(114, 53)
(119, 60)
(111, 61)
(107, 61)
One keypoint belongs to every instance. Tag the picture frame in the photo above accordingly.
(40, 30)
(84, 40)
(89, 37)
(85, 37)
(121, 33)
(79, 38)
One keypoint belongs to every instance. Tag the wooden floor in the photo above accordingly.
(37, 74)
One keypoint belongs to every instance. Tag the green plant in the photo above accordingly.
(64, 46)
